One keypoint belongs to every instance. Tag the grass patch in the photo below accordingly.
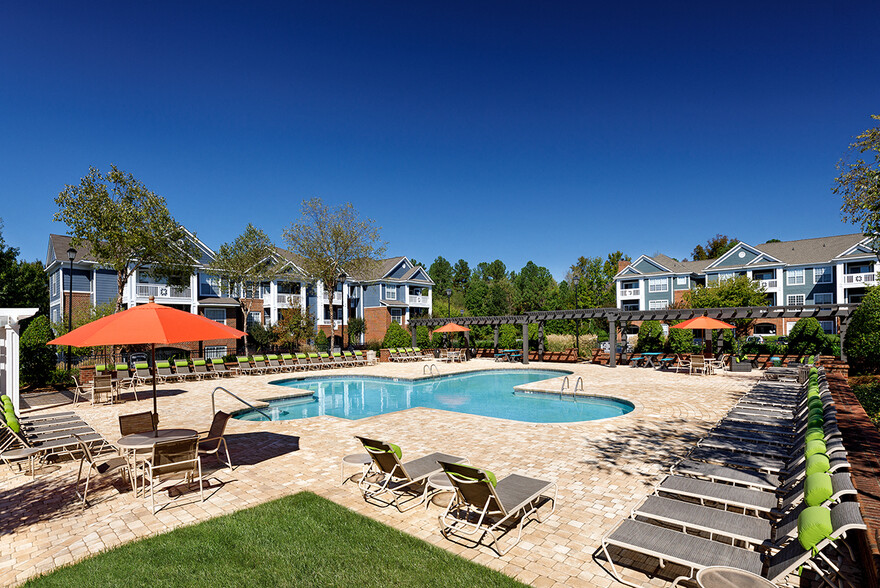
(867, 391)
(300, 540)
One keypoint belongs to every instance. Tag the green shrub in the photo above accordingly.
(231, 358)
(356, 328)
(867, 391)
(507, 337)
(807, 337)
(62, 377)
(37, 359)
(321, 341)
(680, 340)
(862, 342)
(396, 336)
(374, 346)
(650, 337)
(423, 337)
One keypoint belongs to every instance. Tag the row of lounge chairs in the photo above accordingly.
(765, 492)
(31, 439)
(288, 362)
(481, 506)
(408, 354)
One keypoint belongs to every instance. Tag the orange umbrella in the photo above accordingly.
(149, 324)
(703, 322)
(451, 328)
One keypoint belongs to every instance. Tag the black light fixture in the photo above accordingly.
(448, 301)
(577, 321)
(71, 255)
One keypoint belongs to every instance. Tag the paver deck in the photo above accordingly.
(603, 468)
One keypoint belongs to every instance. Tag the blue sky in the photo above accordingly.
(479, 130)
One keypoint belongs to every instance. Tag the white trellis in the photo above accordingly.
(10, 322)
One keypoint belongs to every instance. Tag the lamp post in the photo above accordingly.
(448, 309)
(577, 321)
(71, 255)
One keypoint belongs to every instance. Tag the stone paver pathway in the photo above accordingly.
(603, 468)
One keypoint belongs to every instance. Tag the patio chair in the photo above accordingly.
(212, 440)
(262, 366)
(482, 505)
(394, 355)
(817, 530)
(200, 368)
(273, 363)
(359, 357)
(718, 364)
(138, 422)
(349, 358)
(102, 389)
(123, 375)
(315, 361)
(99, 467)
(302, 361)
(244, 366)
(339, 360)
(142, 373)
(164, 373)
(79, 390)
(176, 459)
(183, 371)
(219, 368)
(288, 363)
(13, 448)
(698, 365)
(387, 474)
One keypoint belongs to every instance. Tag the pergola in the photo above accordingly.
(10, 319)
(616, 315)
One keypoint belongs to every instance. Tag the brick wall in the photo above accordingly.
(377, 321)
(82, 303)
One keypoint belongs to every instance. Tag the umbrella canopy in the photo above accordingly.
(151, 324)
(451, 328)
(703, 322)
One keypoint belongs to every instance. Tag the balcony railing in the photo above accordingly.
(287, 300)
(767, 284)
(866, 278)
(163, 291)
(630, 292)
(337, 298)
(413, 300)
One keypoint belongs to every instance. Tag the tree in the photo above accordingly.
(650, 337)
(807, 337)
(862, 340)
(332, 243)
(679, 340)
(396, 336)
(534, 285)
(356, 328)
(127, 228)
(441, 272)
(22, 284)
(243, 265)
(495, 271)
(859, 183)
(461, 274)
(737, 291)
(715, 247)
(262, 337)
(37, 359)
(294, 326)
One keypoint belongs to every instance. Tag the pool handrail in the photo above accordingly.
(242, 400)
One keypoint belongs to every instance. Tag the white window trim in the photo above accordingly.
(829, 298)
(724, 276)
(681, 281)
(390, 292)
(397, 316)
(658, 304)
(789, 297)
(658, 285)
(827, 272)
(794, 273)
(218, 318)
(215, 351)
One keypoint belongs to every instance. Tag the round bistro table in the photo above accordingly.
(724, 577)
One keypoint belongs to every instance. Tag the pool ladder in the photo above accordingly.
(578, 385)
(430, 369)
(242, 400)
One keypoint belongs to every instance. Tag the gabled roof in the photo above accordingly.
(386, 266)
(668, 265)
(58, 246)
(740, 246)
(804, 251)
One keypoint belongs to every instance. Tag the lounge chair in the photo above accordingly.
(123, 375)
(200, 368)
(142, 373)
(697, 553)
(339, 359)
(288, 363)
(394, 355)
(359, 357)
(244, 366)
(481, 505)
(213, 439)
(302, 361)
(315, 361)
(326, 360)
(274, 364)
(183, 371)
(260, 365)
(164, 373)
(387, 474)
(349, 358)
(219, 367)
(421, 355)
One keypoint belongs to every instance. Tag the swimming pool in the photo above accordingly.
(486, 393)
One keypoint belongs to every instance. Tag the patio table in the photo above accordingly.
(131, 443)
(649, 358)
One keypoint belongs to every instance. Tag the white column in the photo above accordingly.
(344, 304)
(430, 302)
(273, 301)
(302, 297)
(194, 293)
(319, 312)
(643, 293)
(838, 278)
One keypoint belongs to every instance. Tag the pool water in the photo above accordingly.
(486, 393)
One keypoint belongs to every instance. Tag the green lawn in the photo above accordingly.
(300, 540)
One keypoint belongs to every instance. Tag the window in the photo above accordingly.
(253, 317)
(54, 282)
(724, 276)
(681, 281)
(658, 285)
(210, 287)
(823, 298)
(821, 275)
(630, 306)
(795, 277)
(390, 292)
(215, 351)
(216, 315)
(658, 304)
(794, 300)
(827, 326)
(397, 315)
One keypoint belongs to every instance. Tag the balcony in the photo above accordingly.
(337, 298)
(288, 300)
(163, 291)
(767, 284)
(866, 279)
(630, 292)
(418, 300)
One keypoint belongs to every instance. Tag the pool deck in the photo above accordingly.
(603, 468)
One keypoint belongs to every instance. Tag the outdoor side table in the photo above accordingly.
(436, 484)
(356, 459)
(21, 453)
(724, 577)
